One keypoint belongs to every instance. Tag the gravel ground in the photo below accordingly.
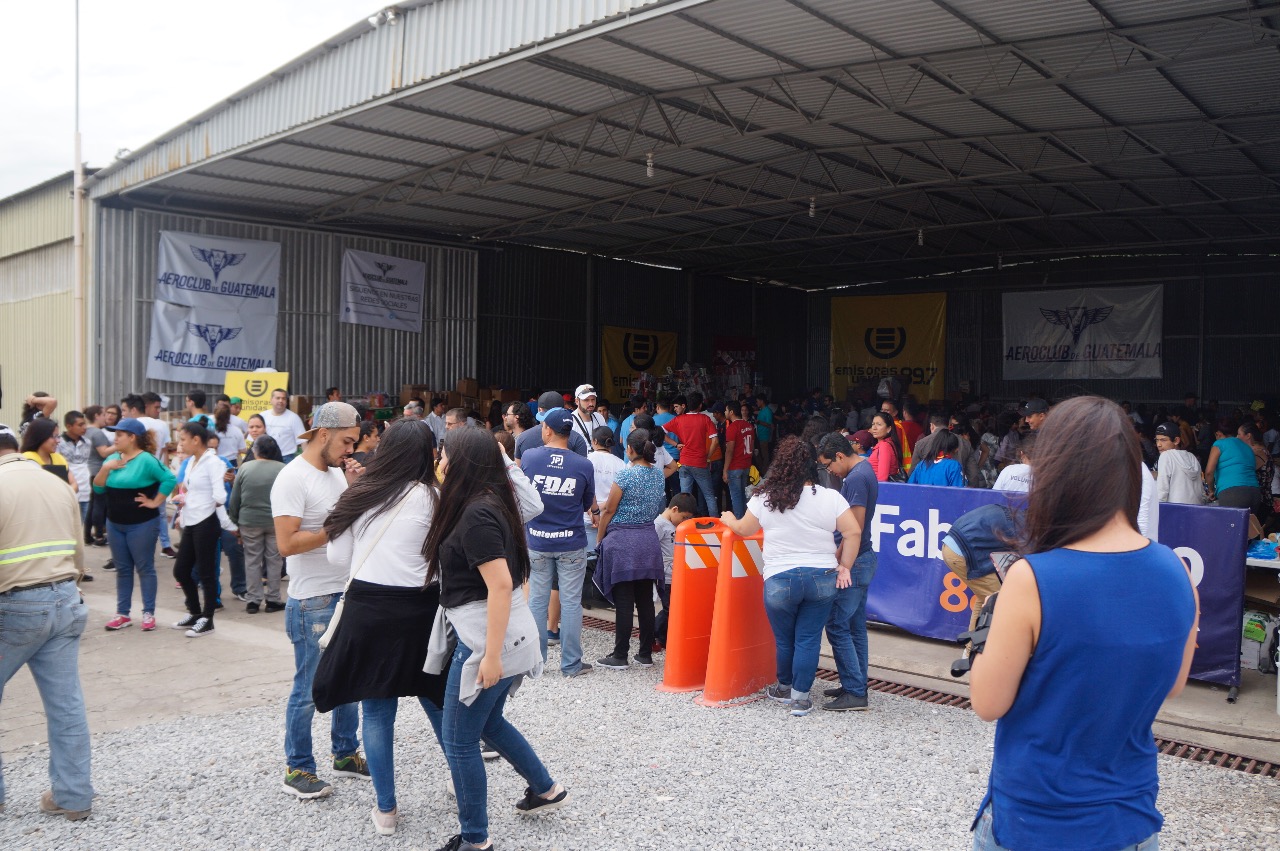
(646, 770)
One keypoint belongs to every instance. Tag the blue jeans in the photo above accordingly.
(165, 543)
(228, 544)
(984, 839)
(798, 603)
(84, 512)
(702, 477)
(379, 743)
(738, 492)
(41, 628)
(304, 622)
(133, 547)
(462, 729)
(847, 626)
(568, 569)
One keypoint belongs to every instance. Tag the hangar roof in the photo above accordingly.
(811, 142)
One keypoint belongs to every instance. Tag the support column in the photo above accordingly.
(592, 336)
(688, 314)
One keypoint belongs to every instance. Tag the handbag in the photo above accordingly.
(324, 640)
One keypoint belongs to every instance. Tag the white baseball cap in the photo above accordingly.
(584, 391)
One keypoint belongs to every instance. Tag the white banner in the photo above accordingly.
(199, 344)
(1084, 333)
(213, 271)
(382, 291)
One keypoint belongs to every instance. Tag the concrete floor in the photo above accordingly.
(132, 678)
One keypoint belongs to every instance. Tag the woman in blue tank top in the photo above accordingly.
(1092, 631)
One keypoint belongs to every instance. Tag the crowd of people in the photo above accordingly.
(494, 528)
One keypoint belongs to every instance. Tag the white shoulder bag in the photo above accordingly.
(324, 640)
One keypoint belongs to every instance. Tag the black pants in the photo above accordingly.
(664, 617)
(626, 595)
(199, 547)
(95, 525)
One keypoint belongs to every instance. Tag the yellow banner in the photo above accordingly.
(254, 389)
(624, 352)
(891, 336)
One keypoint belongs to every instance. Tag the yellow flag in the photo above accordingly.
(891, 336)
(624, 352)
(254, 389)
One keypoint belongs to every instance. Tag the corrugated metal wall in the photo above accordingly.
(317, 349)
(36, 217)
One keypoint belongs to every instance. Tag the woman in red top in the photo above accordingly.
(886, 458)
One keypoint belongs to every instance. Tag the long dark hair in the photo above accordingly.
(475, 472)
(794, 464)
(197, 431)
(657, 433)
(222, 416)
(1075, 494)
(641, 444)
(405, 457)
(892, 437)
(37, 432)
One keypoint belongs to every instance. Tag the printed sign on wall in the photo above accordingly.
(892, 336)
(382, 291)
(199, 344)
(627, 351)
(1086, 333)
(254, 389)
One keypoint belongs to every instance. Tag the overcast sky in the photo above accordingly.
(146, 66)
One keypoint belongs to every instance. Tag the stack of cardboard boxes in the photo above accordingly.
(467, 393)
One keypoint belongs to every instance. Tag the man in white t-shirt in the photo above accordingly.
(302, 496)
(284, 425)
(585, 418)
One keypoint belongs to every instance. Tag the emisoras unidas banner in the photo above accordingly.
(1090, 333)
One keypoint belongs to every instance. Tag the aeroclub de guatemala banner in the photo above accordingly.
(1084, 333)
(382, 291)
(216, 302)
(627, 351)
(913, 589)
(892, 336)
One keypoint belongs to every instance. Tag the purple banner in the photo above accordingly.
(915, 591)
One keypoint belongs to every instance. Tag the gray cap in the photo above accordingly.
(550, 400)
(332, 415)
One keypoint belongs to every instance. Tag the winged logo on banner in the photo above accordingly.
(385, 267)
(214, 335)
(1075, 319)
(216, 259)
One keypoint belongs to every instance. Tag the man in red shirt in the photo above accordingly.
(740, 446)
(694, 433)
(909, 431)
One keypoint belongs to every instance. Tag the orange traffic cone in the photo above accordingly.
(694, 571)
(742, 658)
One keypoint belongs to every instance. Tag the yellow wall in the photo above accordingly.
(36, 353)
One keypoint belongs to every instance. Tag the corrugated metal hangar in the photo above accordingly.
(758, 155)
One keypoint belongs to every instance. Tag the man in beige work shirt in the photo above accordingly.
(42, 616)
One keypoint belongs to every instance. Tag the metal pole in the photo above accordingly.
(77, 237)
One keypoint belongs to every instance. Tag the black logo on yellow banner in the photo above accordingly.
(885, 343)
(640, 351)
(257, 386)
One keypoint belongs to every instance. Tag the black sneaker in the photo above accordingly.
(88, 577)
(612, 662)
(779, 692)
(252, 608)
(457, 843)
(242, 596)
(201, 628)
(110, 565)
(274, 607)
(305, 785)
(351, 766)
(644, 661)
(833, 692)
(187, 622)
(533, 803)
(99, 542)
(847, 702)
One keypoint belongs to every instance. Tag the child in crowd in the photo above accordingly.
(681, 508)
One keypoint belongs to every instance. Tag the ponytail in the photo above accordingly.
(642, 445)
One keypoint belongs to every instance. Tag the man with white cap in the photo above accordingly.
(585, 418)
(532, 438)
(303, 495)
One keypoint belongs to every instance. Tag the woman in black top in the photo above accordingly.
(476, 548)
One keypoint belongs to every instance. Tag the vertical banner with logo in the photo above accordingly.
(253, 389)
(914, 590)
(892, 336)
(216, 302)
(627, 351)
(382, 291)
(1084, 333)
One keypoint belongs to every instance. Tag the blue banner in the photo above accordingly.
(914, 590)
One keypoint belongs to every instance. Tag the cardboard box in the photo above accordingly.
(1262, 591)
(508, 396)
(454, 399)
(468, 387)
(472, 403)
(410, 391)
(300, 405)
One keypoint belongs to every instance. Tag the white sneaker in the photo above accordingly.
(448, 786)
(203, 626)
(385, 823)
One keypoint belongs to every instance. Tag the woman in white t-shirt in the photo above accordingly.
(606, 465)
(802, 566)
